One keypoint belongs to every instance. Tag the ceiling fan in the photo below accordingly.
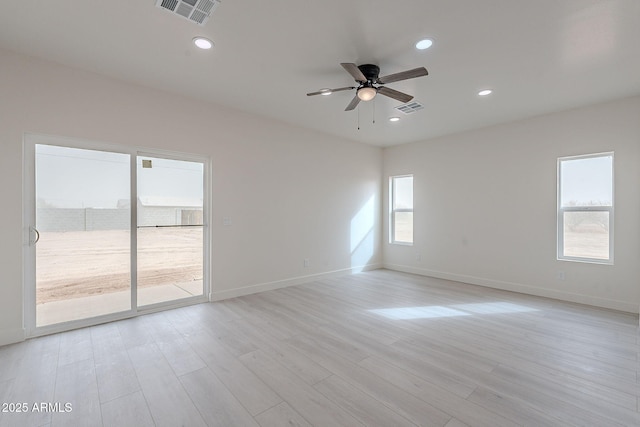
(366, 76)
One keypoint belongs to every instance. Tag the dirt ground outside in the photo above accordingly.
(586, 244)
(77, 264)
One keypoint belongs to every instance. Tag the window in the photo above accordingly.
(585, 208)
(401, 209)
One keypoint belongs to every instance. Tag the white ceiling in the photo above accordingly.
(538, 56)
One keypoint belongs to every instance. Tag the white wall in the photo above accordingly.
(290, 193)
(485, 205)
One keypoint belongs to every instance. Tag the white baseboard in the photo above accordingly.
(625, 306)
(10, 336)
(269, 286)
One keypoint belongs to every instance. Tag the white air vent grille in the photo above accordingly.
(410, 107)
(197, 11)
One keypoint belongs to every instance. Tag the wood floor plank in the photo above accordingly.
(583, 401)
(216, 404)
(135, 332)
(417, 364)
(127, 411)
(34, 381)
(281, 415)
(467, 370)
(417, 411)
(11, 357)
(576, 384)
(261, 318)
(450, 403)
(511, 408)
(249, 389)
(362, 406)
(77, 386)
(310, 403)
(116, 376)
(340, 345)
(539, 399)
(482, 346)
(75, 346)
(106, 340)
(6, 387)
(305, 368)
(168, 402)
(180, 356)
(235, 340)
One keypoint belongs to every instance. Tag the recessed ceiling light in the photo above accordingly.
(485, 92)
(394, 119)
(424, 44)
(325, 92)
(203, 43)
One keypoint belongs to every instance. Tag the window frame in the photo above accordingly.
(393, 211)
(597, 208)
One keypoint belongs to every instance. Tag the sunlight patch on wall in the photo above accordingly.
(362, 235)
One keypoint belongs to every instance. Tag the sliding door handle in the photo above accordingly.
(37, 233)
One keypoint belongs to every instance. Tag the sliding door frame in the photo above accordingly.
(30, 140)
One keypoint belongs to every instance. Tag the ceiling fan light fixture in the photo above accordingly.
(424, 44)
(367, 93)
(203, 42)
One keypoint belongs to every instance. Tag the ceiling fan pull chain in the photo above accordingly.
(358, 117)
(374, 112)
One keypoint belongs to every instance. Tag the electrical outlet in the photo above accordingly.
(306, 262)
(418, 256)
(560, 275)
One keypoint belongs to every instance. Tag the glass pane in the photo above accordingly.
(403, 227)
(170, 231)
(403, 192)
(587, 182)
(83, 217)
(586, 235)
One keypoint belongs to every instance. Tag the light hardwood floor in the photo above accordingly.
(374, 349)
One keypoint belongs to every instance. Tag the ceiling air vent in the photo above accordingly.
(197, 11)
(410, 107)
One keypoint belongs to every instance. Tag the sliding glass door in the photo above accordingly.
(111, 232)
(83, 221)
(170, 229)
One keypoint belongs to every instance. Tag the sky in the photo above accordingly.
(77, 178)
(403, 192)
(587, 181)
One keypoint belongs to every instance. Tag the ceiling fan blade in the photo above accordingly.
(404, 75)
(391, 93)
(343, 88)
(354, 102)
(320, 92)
(354, 71)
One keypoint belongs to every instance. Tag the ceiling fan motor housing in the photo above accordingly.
(370, 71)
